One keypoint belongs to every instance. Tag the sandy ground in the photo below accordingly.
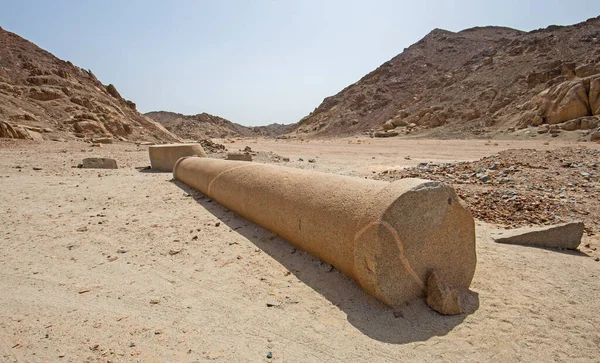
(126, 266)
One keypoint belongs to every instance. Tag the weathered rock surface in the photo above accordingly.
(449, 300)
(485, 79)
(13, 132)
(567, 236)
(594, 98)
(99, 163)
(566, 101)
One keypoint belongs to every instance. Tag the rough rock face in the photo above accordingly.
(471, 83)
(38, 90)
(13, 132)
(204, 125)
(566, 101)
(594, 97)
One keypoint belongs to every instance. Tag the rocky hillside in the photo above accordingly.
(204, 125)
(475, 83)
(43, 97)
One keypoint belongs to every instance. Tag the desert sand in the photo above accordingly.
(128, 265)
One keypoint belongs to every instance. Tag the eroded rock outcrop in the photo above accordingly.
(563, 102)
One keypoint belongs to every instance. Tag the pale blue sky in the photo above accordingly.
(253, 62)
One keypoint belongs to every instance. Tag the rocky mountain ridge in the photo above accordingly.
(43, 97)
(477, 82)
(204, 125)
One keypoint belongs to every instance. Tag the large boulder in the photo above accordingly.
(566, 235)
(563, 102)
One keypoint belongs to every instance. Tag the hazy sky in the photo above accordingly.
(253, 62)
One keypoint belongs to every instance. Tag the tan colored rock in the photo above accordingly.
(566, 235)
(402, 114)
(537, 120)
(388, 125)
(565, 101)
(13, 131)
(387, 236)
(112, 90)
(390, 133)
(449, 300)
(88, 126)
(103, 140)
(399, 122)
(587, 70)
(45, 95)
(424, 120)
(589, 123)
(164, 157)
(594, 95)
(35, 136)
(99, 163)
(595, 136)
(571, 125)
(240, 156)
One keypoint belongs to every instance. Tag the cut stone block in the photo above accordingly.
(163, 157)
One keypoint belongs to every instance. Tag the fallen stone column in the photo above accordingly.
(390, 237)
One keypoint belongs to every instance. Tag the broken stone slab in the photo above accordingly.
(163, 157)
(566, 235)
(239, 156)
(99, 163)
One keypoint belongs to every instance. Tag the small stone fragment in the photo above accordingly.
(447, 300)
